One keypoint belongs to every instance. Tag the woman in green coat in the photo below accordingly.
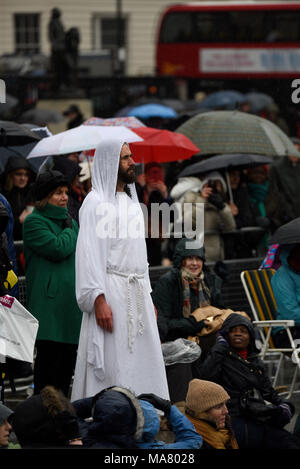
(50, 236)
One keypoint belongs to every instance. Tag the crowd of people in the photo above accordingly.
(100, 379)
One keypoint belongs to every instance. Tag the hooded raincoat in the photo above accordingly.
(111, 259)
(286, 286)
(185, 434)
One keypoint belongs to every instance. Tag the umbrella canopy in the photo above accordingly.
(258, 101)
(83, 137)
(221, 162)
(130, 122)
(12, 134)
(41, 116)
(162, 146)
(225, 99)
(146, 111)
(223, 132)
(287, 234)
(24, 150)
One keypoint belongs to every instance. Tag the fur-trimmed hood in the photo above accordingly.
(117, 418)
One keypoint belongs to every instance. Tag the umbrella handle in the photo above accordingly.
(229, 186)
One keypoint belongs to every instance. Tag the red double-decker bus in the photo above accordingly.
(230, 39)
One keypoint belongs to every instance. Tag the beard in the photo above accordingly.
(127, 177)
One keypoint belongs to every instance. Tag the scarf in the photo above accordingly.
(218, 439)
(198, 284)
(243, 353)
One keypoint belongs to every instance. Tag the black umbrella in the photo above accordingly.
(225, 162)
(12, 134)
(25, 149)
(288, 233)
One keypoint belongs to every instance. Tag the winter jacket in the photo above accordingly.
(49, 250)
(186, 436)
(236, 374)
(286, 287)
(214, 220)
(167, 296)
(18, 198)
(110, 419)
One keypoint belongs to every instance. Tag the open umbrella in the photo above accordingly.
(83, 137)
(130, 121)
(287, 234)
(225, 162)
(162, 146)
(225, 99)
(146, 111)
(258, 101)
(219, 162)
(24, 150)
(12, 134)
(223, 132)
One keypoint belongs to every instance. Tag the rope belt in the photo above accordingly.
(131, 280)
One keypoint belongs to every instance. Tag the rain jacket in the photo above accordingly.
(49, 250)
(167, 297)
(186, 436)
(236, 374)
(286, 286)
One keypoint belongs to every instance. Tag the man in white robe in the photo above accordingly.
(119, 343)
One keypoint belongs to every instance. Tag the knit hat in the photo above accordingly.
(47, 182)
(202, 395)
(5, 413)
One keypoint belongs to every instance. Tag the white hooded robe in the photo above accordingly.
(111, 258)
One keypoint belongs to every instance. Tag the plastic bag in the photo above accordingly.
(180, 351)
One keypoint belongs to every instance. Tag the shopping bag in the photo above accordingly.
(18, 330)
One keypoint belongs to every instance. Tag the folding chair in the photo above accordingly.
(258, 289)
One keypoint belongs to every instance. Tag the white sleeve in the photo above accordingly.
(91, 257)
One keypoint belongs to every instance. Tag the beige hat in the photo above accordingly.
(202, 395)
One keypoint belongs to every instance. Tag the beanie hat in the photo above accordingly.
(5, 413)
(47, 182)
(202, 395)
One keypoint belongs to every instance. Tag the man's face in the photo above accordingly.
(5, 430)
(126, 172)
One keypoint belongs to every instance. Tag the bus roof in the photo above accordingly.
(237, 3)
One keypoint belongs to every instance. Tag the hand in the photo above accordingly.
(233, 208)
(216, 200)
(103, 314)
(67, 223)
(157, 402)
(206, 192)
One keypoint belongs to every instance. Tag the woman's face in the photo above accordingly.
(20, 178)
(193, 264)
(60, 197)
(217, 414)
(234, 178)
(239, 337)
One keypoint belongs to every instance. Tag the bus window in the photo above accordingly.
(231, 26)
(177, 27)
